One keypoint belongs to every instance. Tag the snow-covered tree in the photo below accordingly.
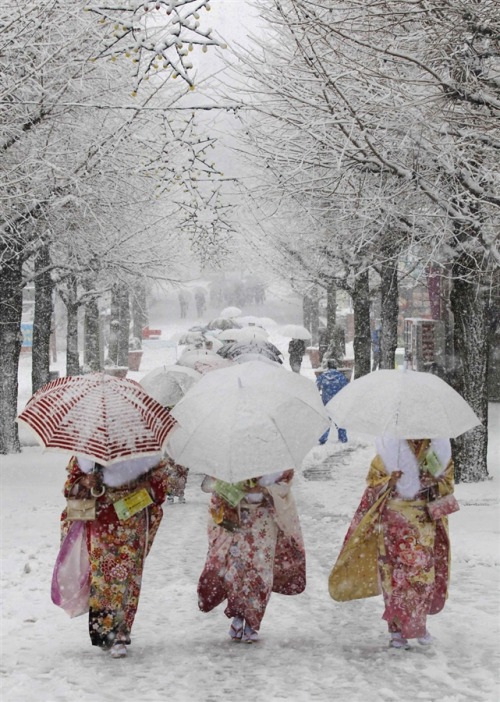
(84, 169)
(406, 93)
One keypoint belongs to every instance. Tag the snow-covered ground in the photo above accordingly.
(311, 647)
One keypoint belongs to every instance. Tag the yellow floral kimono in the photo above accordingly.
(393, 547)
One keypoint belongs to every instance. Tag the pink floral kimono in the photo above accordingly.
(392, 546)
(117, 549)
(253, 550)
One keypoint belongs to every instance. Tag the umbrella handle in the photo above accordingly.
(94, 493)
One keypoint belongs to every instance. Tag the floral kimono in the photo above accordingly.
(392, 546)
(254, 549)
(177, 478)
(117, 549)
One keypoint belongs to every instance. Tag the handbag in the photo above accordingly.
(83, 510)
(442, 506)
(70, 587)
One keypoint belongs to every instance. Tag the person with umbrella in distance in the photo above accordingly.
(397, 544)
(297, 346)
(296, 351)
(247, 427)
(116, 483)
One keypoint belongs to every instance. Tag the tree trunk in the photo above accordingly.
(119, 326)
(42, 320)
(92, 337)
(314, 329)
(139, 311)
(124, 330)
(494, 344)
(331, 311)
(306, 311)
(470, 378)
(389, 310)
(362, 338)
(72, 355)
(11, 310)
(114, 325)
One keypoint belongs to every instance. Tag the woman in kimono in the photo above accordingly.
(393, 545)
(116, 546)
(255, 548)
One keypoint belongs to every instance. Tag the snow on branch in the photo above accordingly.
(155, 36)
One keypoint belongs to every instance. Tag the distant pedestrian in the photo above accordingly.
(296, 350)
(329, 383)
(183, 303)
(201, 303)
(323, 343)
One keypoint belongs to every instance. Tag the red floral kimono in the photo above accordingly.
(117, 549)
(253, 550)
(393, 547)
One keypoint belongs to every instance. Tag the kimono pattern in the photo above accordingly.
(177, 478)
(256, 549)
(393, 547)
(117, 550)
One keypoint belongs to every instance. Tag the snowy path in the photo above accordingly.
(311, 648)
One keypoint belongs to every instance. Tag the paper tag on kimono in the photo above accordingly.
(431, 463)
(133, 503)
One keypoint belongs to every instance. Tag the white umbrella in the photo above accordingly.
(251, 321)
(215, 343)
(168, 384)
(230, 312)
(223, 323)
(245, 334)
(247, 420)
(210, 363)
(259, 357)
(295, 331)
(190, 337)
(227, 334)
(403, 403)
(189, 358)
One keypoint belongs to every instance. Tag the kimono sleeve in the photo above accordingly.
(74, 475)
(159, 482)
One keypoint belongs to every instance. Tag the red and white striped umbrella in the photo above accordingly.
(98, 416)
